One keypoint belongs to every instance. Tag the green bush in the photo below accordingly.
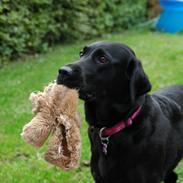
(28, 27)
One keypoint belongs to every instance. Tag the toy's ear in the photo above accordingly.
(139, 83)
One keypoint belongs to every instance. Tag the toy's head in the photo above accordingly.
(55, 113)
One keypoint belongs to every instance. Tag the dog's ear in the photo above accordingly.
(139, 83)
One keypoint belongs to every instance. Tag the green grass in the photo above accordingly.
(161, 55)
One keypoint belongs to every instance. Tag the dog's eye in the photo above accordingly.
(102, 60)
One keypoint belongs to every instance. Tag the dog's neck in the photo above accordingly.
(106, 113)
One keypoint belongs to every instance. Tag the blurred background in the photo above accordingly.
(29, 27)
(37, 37)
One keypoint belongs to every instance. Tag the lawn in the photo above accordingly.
(161, 55)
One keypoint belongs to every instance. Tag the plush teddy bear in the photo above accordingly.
(56, 115)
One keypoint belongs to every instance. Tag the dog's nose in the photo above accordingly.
(65, 71)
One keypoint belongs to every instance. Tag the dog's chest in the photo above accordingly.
(119, 156)
(118, 168)
(124, 155)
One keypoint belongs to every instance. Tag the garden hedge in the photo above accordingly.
(28, 27)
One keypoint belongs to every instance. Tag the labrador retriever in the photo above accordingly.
(135, 137)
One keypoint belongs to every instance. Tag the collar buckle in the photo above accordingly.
(104, 140)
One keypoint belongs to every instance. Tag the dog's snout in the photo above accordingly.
(65, 71)
(70, 76)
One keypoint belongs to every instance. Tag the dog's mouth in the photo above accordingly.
(84, 93)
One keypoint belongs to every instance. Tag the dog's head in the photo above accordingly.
(106, 69)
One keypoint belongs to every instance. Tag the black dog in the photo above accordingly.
(142, 141)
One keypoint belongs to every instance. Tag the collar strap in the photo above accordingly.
(107, 132)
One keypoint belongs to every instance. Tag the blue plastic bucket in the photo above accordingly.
(171, 19)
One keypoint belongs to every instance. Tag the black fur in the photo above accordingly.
(111, 81)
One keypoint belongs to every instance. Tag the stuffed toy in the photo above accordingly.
(56, 115)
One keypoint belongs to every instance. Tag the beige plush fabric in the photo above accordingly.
(56, 115)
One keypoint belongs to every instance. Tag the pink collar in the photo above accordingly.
(105, 133)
